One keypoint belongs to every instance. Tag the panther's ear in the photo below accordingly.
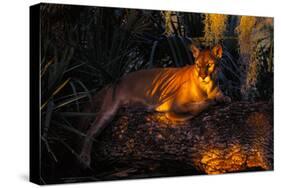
(195, 51)
(217, 51)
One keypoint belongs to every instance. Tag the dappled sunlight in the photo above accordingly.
(230, 159)
(216, 161)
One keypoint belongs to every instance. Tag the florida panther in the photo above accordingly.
(180, 93)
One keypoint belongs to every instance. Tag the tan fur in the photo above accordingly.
(181, 93)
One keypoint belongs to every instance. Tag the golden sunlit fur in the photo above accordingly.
(180, 93)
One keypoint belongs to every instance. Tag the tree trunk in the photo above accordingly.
(227, 138)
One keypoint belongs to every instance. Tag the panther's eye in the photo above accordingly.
(209, 65)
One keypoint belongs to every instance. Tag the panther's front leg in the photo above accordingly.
(217, 95)
(186, 111)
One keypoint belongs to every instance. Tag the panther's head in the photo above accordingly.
(206, 61)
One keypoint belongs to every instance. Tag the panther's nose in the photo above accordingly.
(203, 76)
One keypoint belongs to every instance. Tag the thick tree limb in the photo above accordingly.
(227, 138)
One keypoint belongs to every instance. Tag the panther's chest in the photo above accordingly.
(188, 93)
(191, 92)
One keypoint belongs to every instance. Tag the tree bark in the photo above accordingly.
(227, 138)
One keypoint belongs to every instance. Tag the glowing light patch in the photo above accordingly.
(219, 160)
